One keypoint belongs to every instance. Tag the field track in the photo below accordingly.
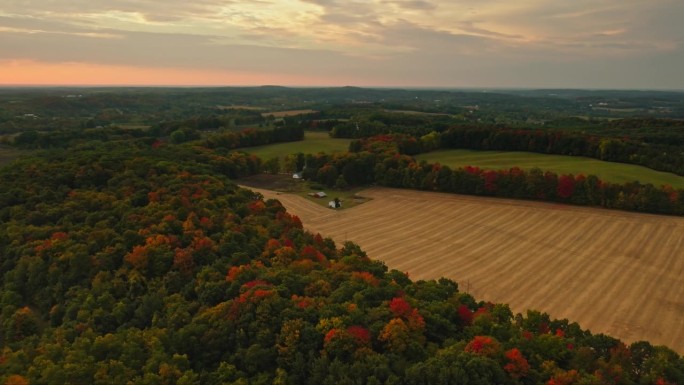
(613, 272)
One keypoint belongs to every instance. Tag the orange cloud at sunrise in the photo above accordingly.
(26, 72)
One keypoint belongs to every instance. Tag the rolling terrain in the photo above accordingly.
(613, 272)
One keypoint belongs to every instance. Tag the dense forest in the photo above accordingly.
(131, 261)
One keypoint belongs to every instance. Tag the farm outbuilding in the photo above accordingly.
(319, 194)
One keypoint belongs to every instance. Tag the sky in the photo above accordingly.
(616, 44)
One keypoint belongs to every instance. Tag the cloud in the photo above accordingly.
(413, 4)
(169, 10)
(418, 38)
(11, 26)
(178, 51)
(356, 26)
(430, 41)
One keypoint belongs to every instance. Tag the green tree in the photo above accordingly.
(178, 136)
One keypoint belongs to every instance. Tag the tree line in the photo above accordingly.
(221, 139)
(253, 137)
(379, 160)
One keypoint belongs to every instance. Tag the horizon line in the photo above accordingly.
(440, 88)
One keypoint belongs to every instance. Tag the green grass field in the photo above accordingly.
(314, 142)
(607, 171)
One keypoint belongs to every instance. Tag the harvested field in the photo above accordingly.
(613, 272)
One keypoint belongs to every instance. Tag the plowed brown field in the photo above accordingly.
(613, 272)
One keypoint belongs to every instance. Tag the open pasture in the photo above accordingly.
(560, 164)
(314, 142)
(613, 272)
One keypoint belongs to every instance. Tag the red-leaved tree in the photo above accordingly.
(517, 365)
(566, 186)
(484, 346)
(400, 307)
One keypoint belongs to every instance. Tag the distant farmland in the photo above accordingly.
(613, 272)
(608, 171)
(314, 142)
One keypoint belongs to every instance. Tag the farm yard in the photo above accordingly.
(284, 183)
(612, 272)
